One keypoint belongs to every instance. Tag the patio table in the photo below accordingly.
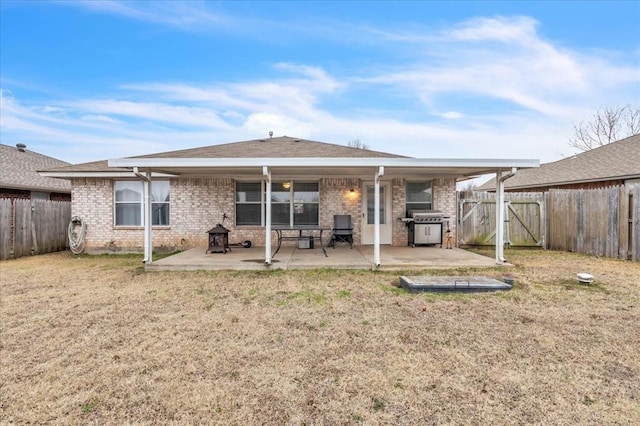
(311, 232)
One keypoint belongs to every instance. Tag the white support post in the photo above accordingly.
(376, 217)
(267, 238)
(148, 220)
(499, 217)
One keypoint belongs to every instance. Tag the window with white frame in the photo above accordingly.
(292, 203)
(306, 202)
(418, 196)
(249, 207)
(129, 203)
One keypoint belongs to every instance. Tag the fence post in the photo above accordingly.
(623, 223)
(544, 211)
(580, 221)
(613, 239)
(634, 222)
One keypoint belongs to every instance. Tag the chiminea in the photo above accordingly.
(218, 240)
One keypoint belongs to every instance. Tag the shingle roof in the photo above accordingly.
(19, 170)
(617, 160)
(277, 147)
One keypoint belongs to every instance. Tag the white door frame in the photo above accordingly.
(368, 229)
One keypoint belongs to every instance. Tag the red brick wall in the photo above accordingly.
(15, 194)
(21, 194)
(198, 204)
(444, 199)
(59, 196)
(336, 198)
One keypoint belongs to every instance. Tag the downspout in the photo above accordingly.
(148, 237)
(376, 217)
(500, 213)
(267, 238)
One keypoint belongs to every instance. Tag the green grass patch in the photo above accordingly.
(342, 294)
(308, 295)
(87, 407)
(574, 284)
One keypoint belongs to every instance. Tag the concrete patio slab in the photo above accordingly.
(342, 257)
(425, 257)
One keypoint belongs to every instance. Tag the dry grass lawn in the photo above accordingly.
(95, 340)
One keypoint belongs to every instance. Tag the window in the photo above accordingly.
(129, 203)
(418, 196)
(39, 195)
(306, 199)
(281, 203)
(248, 203)
(371, 200)
(292, 203)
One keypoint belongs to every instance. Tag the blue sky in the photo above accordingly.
(91, 80)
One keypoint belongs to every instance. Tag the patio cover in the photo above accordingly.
(290, 168)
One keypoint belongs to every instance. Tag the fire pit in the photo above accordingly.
(218, 240)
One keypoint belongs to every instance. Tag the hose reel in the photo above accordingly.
(76, 232)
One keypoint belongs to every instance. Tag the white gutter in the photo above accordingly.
(267, 238)
(376, 217)
(147, 219)
(500, 213)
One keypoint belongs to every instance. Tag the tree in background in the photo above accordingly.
(468, 189)
(606, 126)
(357, 144)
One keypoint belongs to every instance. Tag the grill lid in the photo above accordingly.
(426, 213)
(426, 216)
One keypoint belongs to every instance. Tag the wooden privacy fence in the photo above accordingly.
(601, 222)
(524, 219)
(29, 227)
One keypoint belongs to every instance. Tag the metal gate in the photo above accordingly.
(525, 224)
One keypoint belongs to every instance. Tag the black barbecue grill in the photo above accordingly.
(425, 227)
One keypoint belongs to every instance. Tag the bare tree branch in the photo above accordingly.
(468, 190)
(357, 144)
(606, 126)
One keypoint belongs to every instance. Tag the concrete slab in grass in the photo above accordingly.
(416, 284)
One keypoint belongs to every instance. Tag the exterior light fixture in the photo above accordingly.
(286, 185)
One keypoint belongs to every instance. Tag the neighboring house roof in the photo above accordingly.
(615, 161)
(19, 170)
(285, 156)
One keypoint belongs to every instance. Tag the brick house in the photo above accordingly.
(19, 178)
(252, 185)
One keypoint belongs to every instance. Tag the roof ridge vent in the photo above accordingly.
(21, 147)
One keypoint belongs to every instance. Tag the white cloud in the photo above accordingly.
(505, 59)
(411, 107)
(100, 119)
(450, 115)
(518, 30)
(153, 112)
(190, 16)
(260, 123)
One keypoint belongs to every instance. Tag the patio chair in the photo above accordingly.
(342, 231)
